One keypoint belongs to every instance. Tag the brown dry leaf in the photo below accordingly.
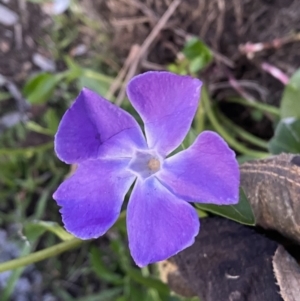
(287, 273)
(170, 274)
(273, 188)
(227, 262)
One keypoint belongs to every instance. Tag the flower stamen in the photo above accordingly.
(153, 164)
(145, 163)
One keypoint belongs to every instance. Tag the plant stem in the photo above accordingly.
(256, 105)
(242, 133)
(200, 119)
(218, 127)
(15, 275)
(40, 255)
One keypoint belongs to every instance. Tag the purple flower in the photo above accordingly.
(112, 154)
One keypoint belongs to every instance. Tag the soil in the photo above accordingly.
(20, 41)
(224, 26)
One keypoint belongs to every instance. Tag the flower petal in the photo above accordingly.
(159, 224)
(94, 127)
(207, 172)
(91, 199)
(167, 104)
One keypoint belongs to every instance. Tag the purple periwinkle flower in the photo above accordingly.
(112, 153)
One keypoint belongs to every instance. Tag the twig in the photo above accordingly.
(130, 21)
(222, 58)
(146, 44)
(23, 12)
(180, 32)
(275, 72)
(238, 11)
(158, 27)
(129, 75)
(220, 22)
(18, 35)
(250, 49)
(118, 80)
(144, 8)
(263, 92)
(152, 66)
(237, 87)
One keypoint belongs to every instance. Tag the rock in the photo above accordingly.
(56, 7)
(29, 286)
(7, 16)
(43, 63)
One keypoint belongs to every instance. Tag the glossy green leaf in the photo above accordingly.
(287, 137)
(290, 102)
(198, 54)
(241, 212)
(35, 229)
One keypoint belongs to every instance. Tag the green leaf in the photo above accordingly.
(101, 269)
(52, 120)
(198, 54)
(241, 212)
(75, 71)
(94, 81)
(41, 87)
(149, 281)
(104, 295)
(35, 127)
(189, 138)
(26, 152)
(287, 137)
(35, 229)
(201, 213)
(290, 102)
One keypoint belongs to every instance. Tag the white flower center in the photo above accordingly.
(145, 163)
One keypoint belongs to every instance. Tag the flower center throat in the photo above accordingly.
(145, 163)
(153, 164)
